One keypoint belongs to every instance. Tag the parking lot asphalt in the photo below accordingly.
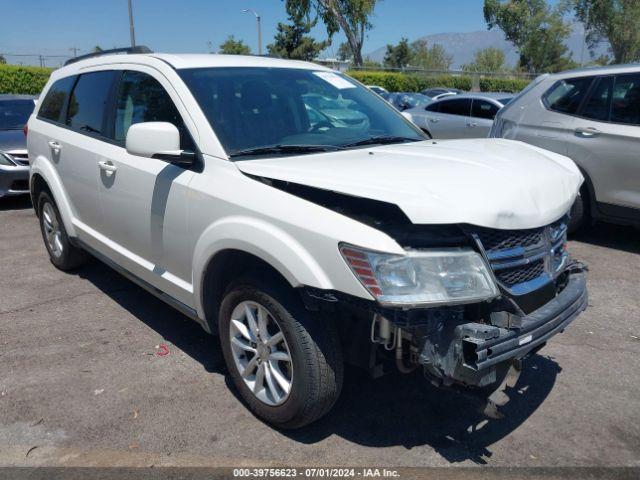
(81, 381)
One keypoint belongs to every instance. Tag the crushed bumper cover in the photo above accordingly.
(477, 354)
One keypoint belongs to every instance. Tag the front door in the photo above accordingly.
(145, 200)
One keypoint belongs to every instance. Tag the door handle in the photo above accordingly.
(55, 146)
(587, 131)
(472, 124)
(108, 167)
(433, 120)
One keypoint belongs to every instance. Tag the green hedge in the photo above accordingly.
(411, 82)
(16, 79)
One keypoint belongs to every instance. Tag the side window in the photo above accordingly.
(88, 102)
(433, 107)
(565, 96)
(625, 105)
(141, 98)
(458, 106)
(56, 98)
(598, 103)
(483, 109)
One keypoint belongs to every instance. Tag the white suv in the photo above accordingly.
(302, 239)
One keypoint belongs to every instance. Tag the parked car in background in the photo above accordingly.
(467, 115)
(14, 161)
(592, 115)
(377, 89)
(337, 110)
(405, 100)
(436, 93)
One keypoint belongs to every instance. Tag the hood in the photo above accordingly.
(492, 183)
(12, 140)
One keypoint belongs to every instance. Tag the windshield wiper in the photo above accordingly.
(275, 149)
(380, 140)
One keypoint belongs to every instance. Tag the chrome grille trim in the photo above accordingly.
(523, 261)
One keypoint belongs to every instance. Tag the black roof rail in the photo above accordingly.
(136, 49)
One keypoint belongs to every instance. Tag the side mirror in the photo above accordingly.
(157, 140)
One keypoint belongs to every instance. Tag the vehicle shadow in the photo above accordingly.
(611, 236)
(173, 326)
(395, 410)
(20, 202)
(401, 410)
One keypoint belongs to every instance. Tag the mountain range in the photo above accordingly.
(464, 45)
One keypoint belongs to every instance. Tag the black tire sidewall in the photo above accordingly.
(62, 261)
(289, 319)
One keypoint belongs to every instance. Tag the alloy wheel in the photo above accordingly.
(261, 353)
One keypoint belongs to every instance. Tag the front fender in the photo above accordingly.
(264, 240)
(43, 167)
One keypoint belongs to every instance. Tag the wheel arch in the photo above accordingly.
(44, 177)
(234, 245)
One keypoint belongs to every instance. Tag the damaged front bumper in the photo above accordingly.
(479, 354)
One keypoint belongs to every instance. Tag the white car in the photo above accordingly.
(302, 243)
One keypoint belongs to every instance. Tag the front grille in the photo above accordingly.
(518, 275)
(524, 260)
(493, 240)
(21, 158)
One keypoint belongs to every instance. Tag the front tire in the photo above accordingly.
(578, 214)
(285, 362)
(62, 253)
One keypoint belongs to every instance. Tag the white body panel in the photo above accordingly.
(164, 223)
(498, 184)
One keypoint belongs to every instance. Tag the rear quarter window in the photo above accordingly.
(54, 102)
(565, 96)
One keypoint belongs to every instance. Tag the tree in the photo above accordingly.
(293, 41)
(489, 59)
(344, 52)
(97, 49)
(2, 60)
(231, 46)
(617, 21)
(398, 56)
(537, 30)
(429, 58)
(350, 16)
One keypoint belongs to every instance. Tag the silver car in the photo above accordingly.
(468, 115)
(591, 115)
(14, 162)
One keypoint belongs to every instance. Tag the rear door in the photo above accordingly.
(145, 200)
(73, 114)
(482, 114)
(605, 140)
(451, 118)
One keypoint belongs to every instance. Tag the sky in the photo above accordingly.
(53, 27)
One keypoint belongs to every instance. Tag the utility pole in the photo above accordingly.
(131, 29)
(248, 10)
(75, 51)
(41, 59)
(210, 46)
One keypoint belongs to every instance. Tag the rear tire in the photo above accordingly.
(62, 253)
(311, 343)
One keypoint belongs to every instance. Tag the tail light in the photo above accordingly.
(25, 129)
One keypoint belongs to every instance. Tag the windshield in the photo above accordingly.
(14, 114)
(257, 111)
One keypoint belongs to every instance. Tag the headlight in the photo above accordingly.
(6, 160)
(429, 277)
